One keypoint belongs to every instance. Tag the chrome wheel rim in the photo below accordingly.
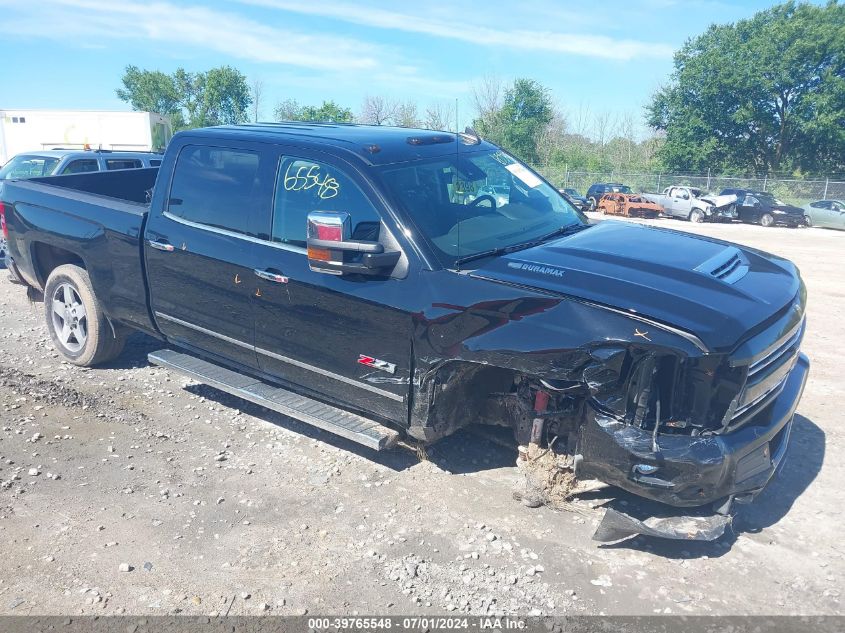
(70, 320)
(695, 216)
(766, 220)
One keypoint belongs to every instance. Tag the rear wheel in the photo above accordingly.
(3, 251)
(767, 219)
(78, 327)
(696, 215)
(592, 203)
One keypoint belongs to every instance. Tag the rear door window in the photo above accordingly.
(81, 166)
(123, 163)
(303, 186)
(217, 187)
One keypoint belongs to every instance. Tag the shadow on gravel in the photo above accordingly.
(802, 464)
(478, 448)
(462, 452)
(468, 450)
(134, 354)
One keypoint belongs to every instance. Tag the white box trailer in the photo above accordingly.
(30, 130)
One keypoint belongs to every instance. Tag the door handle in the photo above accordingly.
(271, 276)
(162, 246)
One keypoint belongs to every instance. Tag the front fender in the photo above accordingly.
(462, 350)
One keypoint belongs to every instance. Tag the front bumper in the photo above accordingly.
(693, 471)
(789, 219)
(722, 214)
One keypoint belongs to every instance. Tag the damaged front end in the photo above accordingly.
(656, 413)
(698, 431)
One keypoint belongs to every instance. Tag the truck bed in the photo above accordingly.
(98, 218)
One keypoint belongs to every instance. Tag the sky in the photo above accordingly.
(597, 58)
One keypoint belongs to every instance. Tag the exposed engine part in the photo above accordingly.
(541, 403)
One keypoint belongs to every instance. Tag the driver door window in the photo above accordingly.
(303, 186)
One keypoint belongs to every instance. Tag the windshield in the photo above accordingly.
(621, 189)
(24, 166)
(449, 200)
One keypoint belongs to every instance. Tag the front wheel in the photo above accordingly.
(767, 220)
(592, 203)
(696, 215)
(78, 327)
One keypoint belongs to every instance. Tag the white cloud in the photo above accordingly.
(165, 24)
(588, 44)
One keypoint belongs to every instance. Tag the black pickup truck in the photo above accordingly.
(348, 276)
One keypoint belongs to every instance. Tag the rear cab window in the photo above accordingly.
(123, 163)
(217, 187)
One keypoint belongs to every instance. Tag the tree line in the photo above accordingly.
(760, 95)
(521, 117)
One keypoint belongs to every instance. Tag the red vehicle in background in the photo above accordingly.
(628, 204)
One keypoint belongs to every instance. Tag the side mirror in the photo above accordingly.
(332, 251)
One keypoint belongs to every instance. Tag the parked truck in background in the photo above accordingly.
(30, 130)
(693, 204)
(336, 274)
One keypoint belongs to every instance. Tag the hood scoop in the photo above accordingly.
(728, 265)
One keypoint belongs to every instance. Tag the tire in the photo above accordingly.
(3, 251)
(79, 329)
(696, 215)
(808, 221)
(767, 220)
(593, 204)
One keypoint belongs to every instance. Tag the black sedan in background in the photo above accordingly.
(575, 199)
(761, 207)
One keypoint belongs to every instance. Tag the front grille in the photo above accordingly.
(767, 374)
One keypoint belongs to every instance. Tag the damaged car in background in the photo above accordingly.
(360, 290)
(629, 205)
(693, 204)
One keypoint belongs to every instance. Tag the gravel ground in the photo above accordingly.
(126, 489)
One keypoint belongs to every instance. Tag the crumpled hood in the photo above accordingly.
(667, 275)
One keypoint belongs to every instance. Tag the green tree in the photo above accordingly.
(215, 97)
(763, 94)
(149, 91)
(521, 120)
(328, 111)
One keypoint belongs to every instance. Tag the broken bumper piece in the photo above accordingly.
(616, 526)
(688, 471)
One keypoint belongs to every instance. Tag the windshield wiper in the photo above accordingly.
(493, 252)
(503, 250)
(566, 229)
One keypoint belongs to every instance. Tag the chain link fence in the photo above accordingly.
(791, 190)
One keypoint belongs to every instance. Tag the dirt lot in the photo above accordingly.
(218, 506)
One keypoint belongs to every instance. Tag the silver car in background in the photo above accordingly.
(827, 213)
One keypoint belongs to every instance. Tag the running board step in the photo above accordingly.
(349, 425)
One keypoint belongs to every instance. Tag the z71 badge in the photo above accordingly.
(369, 361)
